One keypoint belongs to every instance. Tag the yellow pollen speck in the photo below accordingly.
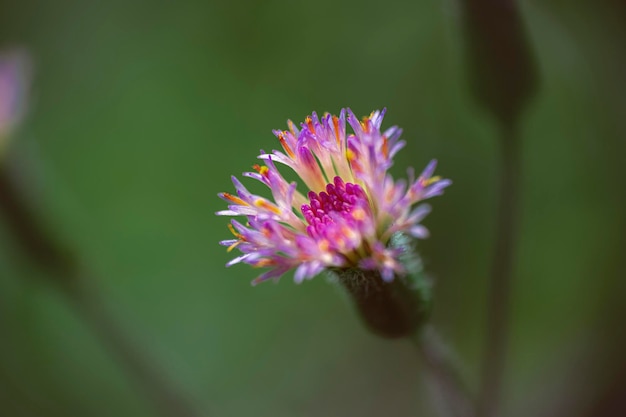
(291, 127)
(336, 125)
(235, 233)
(266, 205)
(286, 147)
(261, 169)
(358, 214)
(385, 147)
(427, 182)
(324, 245)
(264, 262)
(234, 199)
(347, 231)
(365, 124)
(309, 123)
(233, 246)
(349, 155)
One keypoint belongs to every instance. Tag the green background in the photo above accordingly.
(141, 111)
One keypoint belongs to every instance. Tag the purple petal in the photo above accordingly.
(419, 232)
(429, 170)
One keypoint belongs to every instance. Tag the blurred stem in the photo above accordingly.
(498, 303)
(504, 79)
(156, 386)
(65, 275)
(451, 396)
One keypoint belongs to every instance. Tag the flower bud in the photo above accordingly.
(501, 64)
(390, 308)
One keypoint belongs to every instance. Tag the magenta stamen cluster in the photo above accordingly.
(324, 208)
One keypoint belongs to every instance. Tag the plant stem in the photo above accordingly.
(65, 275)
(452, 398)
(498, 309)
(159, 390)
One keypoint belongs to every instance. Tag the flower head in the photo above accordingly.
(352, 207)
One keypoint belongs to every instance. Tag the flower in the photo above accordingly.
(14, 83)
(351, 210)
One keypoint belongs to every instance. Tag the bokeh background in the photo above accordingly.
(140, 112)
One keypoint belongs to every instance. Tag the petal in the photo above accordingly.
(419, 232)
(237, 260)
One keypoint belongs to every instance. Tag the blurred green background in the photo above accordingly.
(140, 112)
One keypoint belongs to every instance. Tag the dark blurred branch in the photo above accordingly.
(501, 275)
(452, 396)
(64, 273)
(14, 401)
(503, 79)
(612, 403)
(163, 394)
(28, 232)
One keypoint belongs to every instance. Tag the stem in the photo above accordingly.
(452, 398)
(159, 390)
(65, 275)
(498, 309)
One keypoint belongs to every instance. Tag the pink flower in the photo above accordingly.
(14, 84)
(351, 210)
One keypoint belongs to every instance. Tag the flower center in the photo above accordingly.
(339, 203)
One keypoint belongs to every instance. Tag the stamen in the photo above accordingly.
(263, 170)
(365, 124)
(291, 127)
(233, 246)
(264, 262)
(235, 233)
(234, 199)
(427, 181)
(385, 147)
(286, 147)
(339, 199)
(309, 123)
(336, 125)
(266, 205)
